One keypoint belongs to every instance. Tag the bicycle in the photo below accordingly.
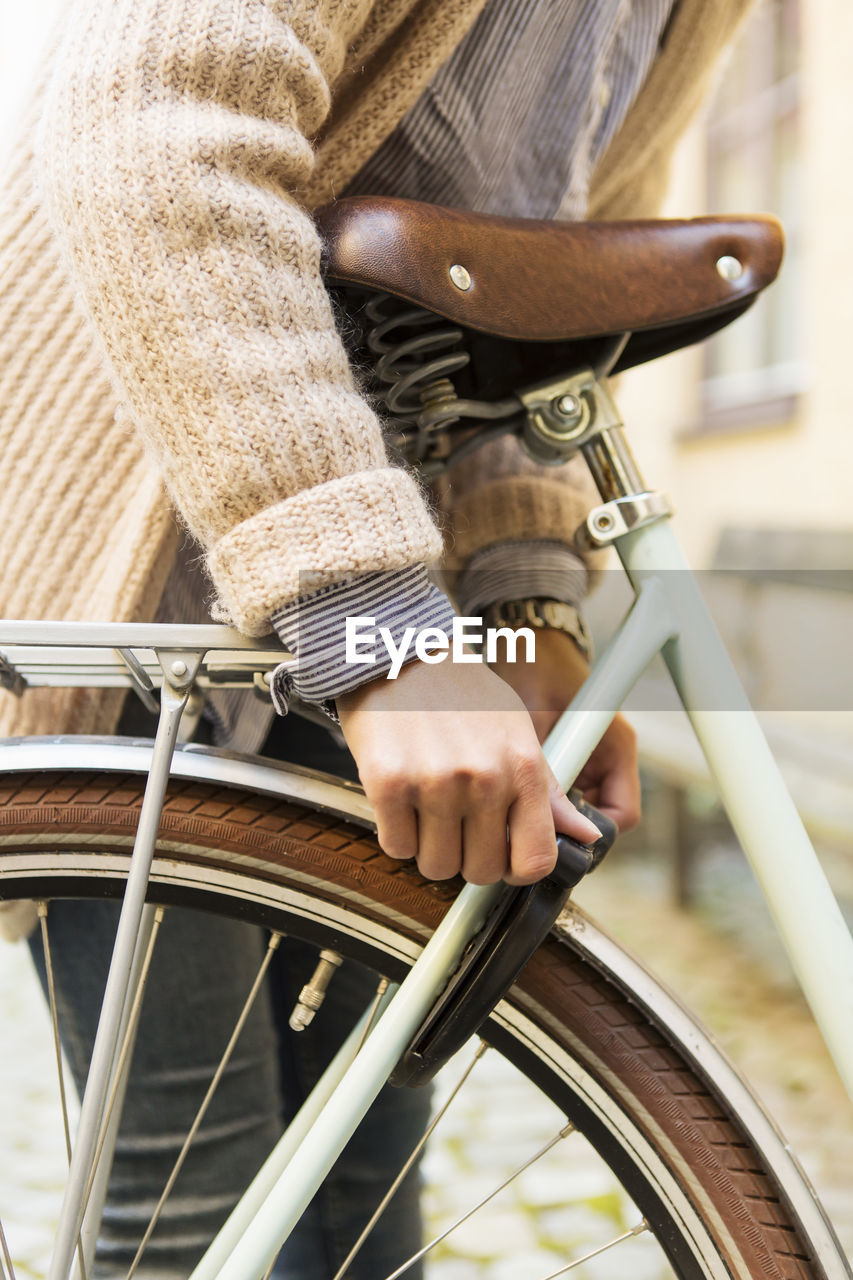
(711, 1179)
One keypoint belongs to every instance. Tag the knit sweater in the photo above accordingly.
(183, 145)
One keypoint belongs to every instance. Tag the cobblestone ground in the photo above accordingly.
(562, 1207)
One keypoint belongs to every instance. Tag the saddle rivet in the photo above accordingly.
(179, 668)
(729, 268)
(460, 277)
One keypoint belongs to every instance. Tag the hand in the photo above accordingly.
(449, 759)
(610, 779)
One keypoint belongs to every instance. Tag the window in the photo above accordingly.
(754, 368)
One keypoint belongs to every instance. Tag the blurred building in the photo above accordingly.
(754, 427)
(752, 433)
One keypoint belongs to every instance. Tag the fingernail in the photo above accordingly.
(591, 828)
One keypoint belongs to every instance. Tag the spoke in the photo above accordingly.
(564, 1133)
(8, 1271)
(41, 907)
(411, 1160)
(371, 1017)
(51, 995)
(272, 947)
(126, 1050)
(627, 1235)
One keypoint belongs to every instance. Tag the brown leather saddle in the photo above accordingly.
(614, 294)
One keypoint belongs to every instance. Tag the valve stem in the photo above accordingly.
(314, 992)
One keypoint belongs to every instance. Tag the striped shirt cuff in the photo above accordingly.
(314, 628)
(541, 569)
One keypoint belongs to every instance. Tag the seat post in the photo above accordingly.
(577, 413)
(607, 452)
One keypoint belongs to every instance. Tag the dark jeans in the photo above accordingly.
(202, 970)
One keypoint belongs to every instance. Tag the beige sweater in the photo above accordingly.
(182, 147)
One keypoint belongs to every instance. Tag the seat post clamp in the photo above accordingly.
(614, 519)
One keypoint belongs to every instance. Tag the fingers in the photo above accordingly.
(611, 780)
(439, 842)
(532, 844)
(485, 848)
(477, 825)
(463, 785)
(462, 826)
(396, 827)
(388, 790)
(450, 822)
(619, 797)
(460, 823)
(532, 839)
(620, 789)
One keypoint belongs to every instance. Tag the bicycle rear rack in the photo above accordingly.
(142, 656)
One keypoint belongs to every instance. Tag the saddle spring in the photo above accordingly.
(417, 355)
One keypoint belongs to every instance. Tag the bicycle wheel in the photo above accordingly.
(709, 1177)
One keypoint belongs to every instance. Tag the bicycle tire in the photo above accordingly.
(673, 1139)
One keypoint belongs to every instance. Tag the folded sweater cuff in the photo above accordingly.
(367, 522)
(343, 635)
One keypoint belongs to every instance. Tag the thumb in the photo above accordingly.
(567, 819)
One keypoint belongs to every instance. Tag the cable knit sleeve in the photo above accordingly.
(174, 144)
(499, 494)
